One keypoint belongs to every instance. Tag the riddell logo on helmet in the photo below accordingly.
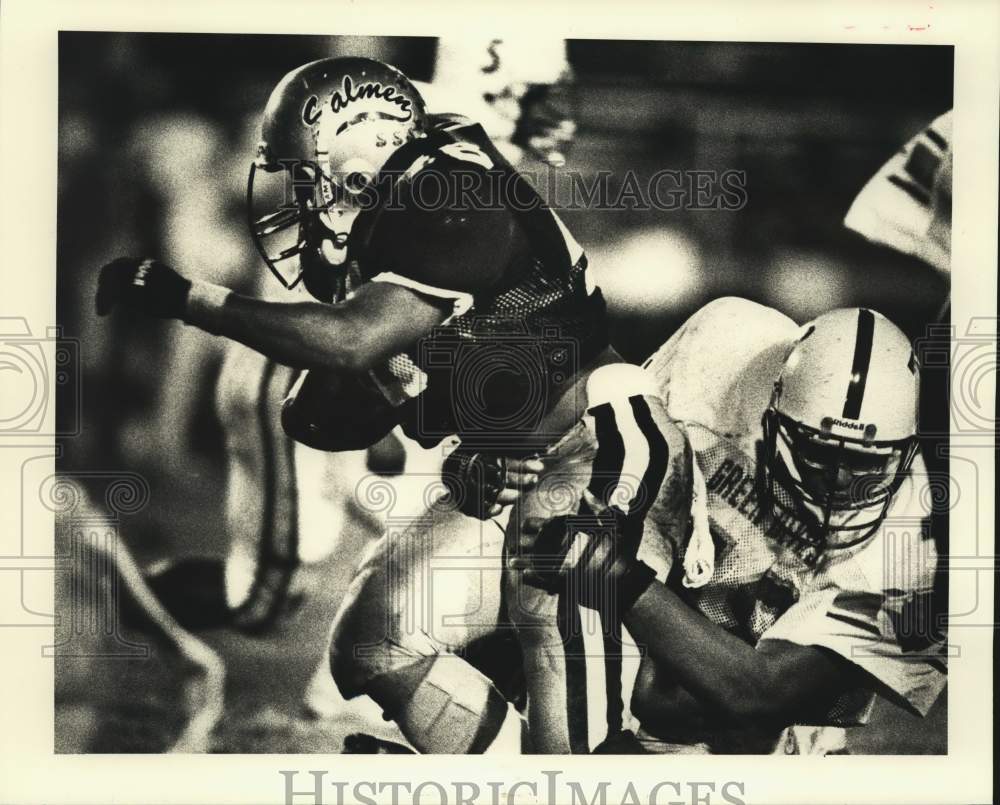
(349, 93)
(828, 422)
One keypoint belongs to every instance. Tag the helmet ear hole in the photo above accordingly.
(303, 179)
(354, 176)
(355, 182)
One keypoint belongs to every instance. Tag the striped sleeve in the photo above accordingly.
(642, 466)
(636, 446)
(632, 451)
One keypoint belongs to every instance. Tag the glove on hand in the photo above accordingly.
(144, 285)
(588, 556)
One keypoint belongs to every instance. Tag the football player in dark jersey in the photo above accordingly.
(452, 301)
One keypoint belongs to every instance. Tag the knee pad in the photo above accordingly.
(442, 705)
(369, 641)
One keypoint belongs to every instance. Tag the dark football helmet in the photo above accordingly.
(327, 129)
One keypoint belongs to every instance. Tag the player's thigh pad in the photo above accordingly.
(430, 585)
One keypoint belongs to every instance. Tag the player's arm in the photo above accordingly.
(776, 681)
(380, 320)
(593, 558)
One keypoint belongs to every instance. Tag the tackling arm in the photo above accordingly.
(778, 680)
(595, 558)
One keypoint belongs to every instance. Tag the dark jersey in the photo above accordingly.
(452, 219)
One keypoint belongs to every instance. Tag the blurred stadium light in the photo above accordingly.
(650, 270)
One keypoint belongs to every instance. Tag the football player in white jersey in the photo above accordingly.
(808, 598)
(518, 88)
(906, 207)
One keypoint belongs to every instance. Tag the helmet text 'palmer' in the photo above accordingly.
(348, 93)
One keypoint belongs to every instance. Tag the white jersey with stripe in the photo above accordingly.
(769, 582)
(625, 454)
(907, 204)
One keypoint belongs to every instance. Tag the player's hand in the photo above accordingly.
(589, 556)
(147, 285)
(482, 483)
(522, 475)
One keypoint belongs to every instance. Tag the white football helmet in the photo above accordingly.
(841, 429)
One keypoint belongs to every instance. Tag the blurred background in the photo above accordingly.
(157, 132)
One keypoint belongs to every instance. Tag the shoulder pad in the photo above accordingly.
(448, 121)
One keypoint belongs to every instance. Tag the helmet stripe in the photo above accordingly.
(859, 368)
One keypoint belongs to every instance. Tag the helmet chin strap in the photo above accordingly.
(834, 519)
(334, 250)
(338, 222)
